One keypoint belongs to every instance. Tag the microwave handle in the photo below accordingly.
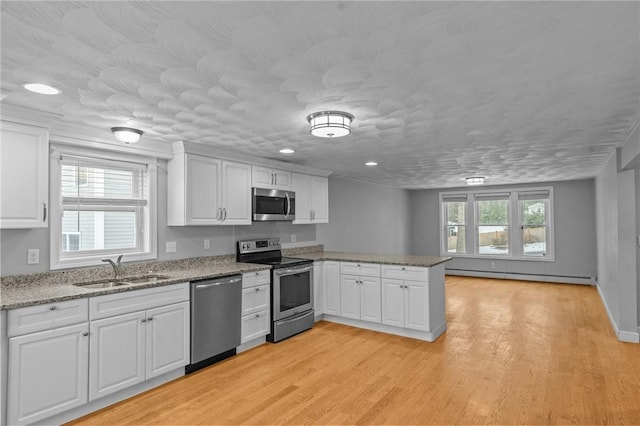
(286, 195)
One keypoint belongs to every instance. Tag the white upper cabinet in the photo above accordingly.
(312, 198)
(266, 177)
(208, 191)
(24, 176)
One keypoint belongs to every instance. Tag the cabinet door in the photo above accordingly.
(300, 185)
(255, 299)
(417, 305)
(116, 356)
(331, 288)
(318, 284)
(236, 193)
(24, 176)
(167, 336)
(370, 309)
(393, 302)
(254, 326)
(319, 189)
(282, 180)
(262, 177)
(350, 296)
(203, 190)
(48, 373)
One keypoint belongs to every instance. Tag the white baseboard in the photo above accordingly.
(429, 336)
(111, 399)
(251, 344)
(521, 277)
(622, 335)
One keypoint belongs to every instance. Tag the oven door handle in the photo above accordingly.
(291, 271)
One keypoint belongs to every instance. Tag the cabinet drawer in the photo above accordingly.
(361, 269)
(255, 299)
(45, 317)
(413, 273)
(255, 325)
(252, 279)
(137, 300)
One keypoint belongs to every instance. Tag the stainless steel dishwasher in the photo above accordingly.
(215, 320)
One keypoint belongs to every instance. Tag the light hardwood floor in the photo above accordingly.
(515, 353)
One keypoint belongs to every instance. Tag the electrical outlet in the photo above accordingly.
(207, 244)
(33, 256)
(293, 238)
(171, 246)
(493, 265)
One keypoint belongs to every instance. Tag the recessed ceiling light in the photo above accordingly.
(42, 89)
(286, 151)
(475, 180)
(370, 163)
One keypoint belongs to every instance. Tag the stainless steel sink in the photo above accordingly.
(144, 279)
(110, 283)
(102, 284)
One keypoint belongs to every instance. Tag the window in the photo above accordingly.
(455, 210)
(493, 223)
(534, 206)
(484, 223)
(105, 207)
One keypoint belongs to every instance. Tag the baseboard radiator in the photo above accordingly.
(564, 279)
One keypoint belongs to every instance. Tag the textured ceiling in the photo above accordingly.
(515, 91)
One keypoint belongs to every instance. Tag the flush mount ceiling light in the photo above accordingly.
(370, 163)
(286, 151)
(42, 89)
(126, 134)
(330, 124)
(475, 180)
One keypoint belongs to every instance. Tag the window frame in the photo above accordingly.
(515, 219)
(146, 215)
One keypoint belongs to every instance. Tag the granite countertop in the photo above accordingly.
(18, 291)
(35, 289)
(382, 259)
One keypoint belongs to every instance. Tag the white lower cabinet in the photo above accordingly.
(405, 303)
(48, 373)
(65, 354)
(256, 306)
(131, 348)
(117, 354)
(331, 289)
(360, 298)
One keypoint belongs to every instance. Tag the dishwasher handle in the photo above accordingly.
(217, 283)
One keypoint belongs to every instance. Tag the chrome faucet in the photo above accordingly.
(116, 266)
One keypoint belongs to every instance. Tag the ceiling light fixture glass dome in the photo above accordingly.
(330, 124)
(126, 134)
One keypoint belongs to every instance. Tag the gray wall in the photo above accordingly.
(189, 240)
(618, 225)
(364, 217)
(574, 224)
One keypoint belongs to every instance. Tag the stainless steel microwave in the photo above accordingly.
(273, 205)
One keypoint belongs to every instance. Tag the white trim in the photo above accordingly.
(147, 240)
(515, 239)
(622, 335)
(429, 336)
(251, 344)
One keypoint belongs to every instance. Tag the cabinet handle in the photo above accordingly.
(52, 308)
(257, 315)
(257, 288)
(85, 334)
(44, 212)
(219, 215)
(403, 268)
(224, 210)
(275, 175)
(144, 320)
(150, 319)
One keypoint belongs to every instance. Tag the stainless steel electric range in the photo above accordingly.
(291, 286)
